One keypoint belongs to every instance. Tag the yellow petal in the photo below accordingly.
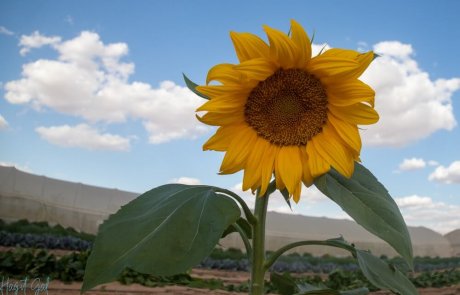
(252, 171)
(297, 192)
(339, 52)
(213, 91)
(324, 66)
(224, 73)
(348, 132)
(332, 149)
(267, 166)
(289, 167)
(221, 119)
(303, 43)
(359, 113)
(350, 92)
(238, 150)
(282, 48)
(363, 60)
(318, 166)
(249, 46)
(224, 104)
(222, 138)
(257, 69)
(307, 178)
(278, 180)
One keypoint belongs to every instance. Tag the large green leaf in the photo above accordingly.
(383, 276)
(367, 201)
(165, 231)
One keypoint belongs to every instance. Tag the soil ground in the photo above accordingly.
(230, 277)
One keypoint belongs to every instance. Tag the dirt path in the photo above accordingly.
(59, 288)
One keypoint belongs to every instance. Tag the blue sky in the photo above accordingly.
(84, 97)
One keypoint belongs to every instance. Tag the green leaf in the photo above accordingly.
(359, 291)
(285, 284)
(380, 274)
(244, 224)
(367, 201)
(165, 231)
(192, 86)
(307, 289)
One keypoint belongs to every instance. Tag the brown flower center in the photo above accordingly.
(288, 108)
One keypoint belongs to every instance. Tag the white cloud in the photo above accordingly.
(186, 180)
(309, 197)
(411, 105)
(83, 136)
(88, 80)
(24, 168)
(447, 175)
(413, 201)
(423, 211)
(363, 46)
(3, 123)
(317, 48)
(394, 49)
(433, 163)
(36, 40)
(5, 31)
(412, 164)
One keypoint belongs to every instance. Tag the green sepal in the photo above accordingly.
(368, 202)
(165, 231)
(192, 86)
(285, 194)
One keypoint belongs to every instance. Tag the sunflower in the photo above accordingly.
(283, 112)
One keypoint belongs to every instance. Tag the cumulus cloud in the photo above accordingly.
(412, 164)
(413, 201)
(186, 180)
(422, 210)
(447, 175)
(433, 163)
(36, 40)
(24, 168)
(89, 80)
(3, 123)
(411, 105)
(5, 31)
(309, 197)
(83, 136)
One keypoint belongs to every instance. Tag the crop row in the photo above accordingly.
(19, 263)
(25, 227)
(41, 235)
(43, 241)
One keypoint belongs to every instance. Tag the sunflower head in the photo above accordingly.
(283, 112)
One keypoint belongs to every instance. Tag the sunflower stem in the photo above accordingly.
(258, 245)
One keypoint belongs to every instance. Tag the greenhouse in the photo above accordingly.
(84, 208)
